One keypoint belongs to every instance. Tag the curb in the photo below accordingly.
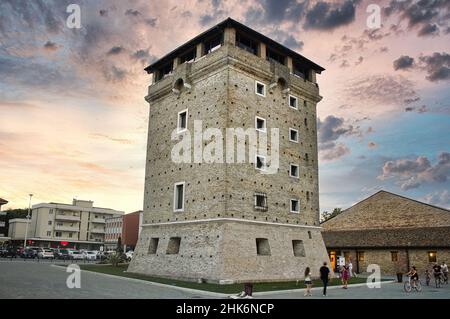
(264, 293)
(157, 284)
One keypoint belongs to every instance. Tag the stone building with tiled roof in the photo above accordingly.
(390, 230)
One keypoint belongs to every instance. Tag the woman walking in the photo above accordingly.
(345, 275)
(308, 282)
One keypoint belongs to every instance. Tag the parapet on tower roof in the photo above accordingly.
(230, 23)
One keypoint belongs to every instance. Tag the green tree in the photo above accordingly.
(326, 215)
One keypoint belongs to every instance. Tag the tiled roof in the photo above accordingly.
(425, 237)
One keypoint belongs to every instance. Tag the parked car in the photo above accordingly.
(45, 253)
(11, 252)
(29, 253)
(129, 255)
(61, 254)
(76, 255)
(90, 255)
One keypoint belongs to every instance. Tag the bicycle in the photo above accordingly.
(408, 286)
(438, 280)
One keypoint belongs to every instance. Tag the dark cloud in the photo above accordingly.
(327, 16)
(412, 173)
(132, 12)
(114, 74)
(50, 46)
(116, 50)
(411, 100)
(144, 56)
(372, 145)
(403, 62)
(206, 19)
(437, 66)
(429, 30)
(103, 12)
(422, 14)
(151, 21)
(213, 15)
(293, 43)
(275, 11)
(329, 131)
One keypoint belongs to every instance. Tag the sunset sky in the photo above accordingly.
(73, 120)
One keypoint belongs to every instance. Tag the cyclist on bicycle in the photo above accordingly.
(414, 276)
(437, 271)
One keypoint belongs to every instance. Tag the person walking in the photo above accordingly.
(345, 276)
(350, 269)
(308, 282)
(325, 277)
(444, 269)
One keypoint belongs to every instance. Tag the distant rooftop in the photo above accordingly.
(230, 23)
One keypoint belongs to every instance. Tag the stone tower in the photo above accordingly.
(228, 221)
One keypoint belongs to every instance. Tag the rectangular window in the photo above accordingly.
(182, 120)
(58, 234)
(173, 247)
(70, 235)
(293, 135)
(272, 55)
(164, 71)
(188, 56)
(49, 234)
(260, 88)
(293, 102)
(246, 43)
(261, 201)
(153, 247)
(49, 222)
(262, 247)
(394, 255)
(260, 124)
(298, 248)
(299, 70)
(178, 197)
(213, 44)
(295, 206)
(432, 256)
(51, 211)
(361, 256)
(294, 170)
(260, 162)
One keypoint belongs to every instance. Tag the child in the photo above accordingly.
(308, 282)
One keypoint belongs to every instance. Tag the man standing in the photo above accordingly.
(350, 269)
(325, 277)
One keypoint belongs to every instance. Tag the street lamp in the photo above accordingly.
(26, 226)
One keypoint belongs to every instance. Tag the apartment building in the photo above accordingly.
(79, 225)
(3, 228)
(126, 227)
(231, 221)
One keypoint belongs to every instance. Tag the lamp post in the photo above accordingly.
(26, 226)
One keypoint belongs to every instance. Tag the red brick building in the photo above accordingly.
(131, 227)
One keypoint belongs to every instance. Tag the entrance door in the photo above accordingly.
(333, 259)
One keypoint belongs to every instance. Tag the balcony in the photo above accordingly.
(67, 228)
(67, 217)
(97, 231)
(2, 213)
(98, 220)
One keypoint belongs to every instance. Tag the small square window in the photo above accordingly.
(293, 135)
(182, 120)
(49, 234)
(178, 197)
(262, 247)
(260, 88)
(260, 124)
(173, 247)
(293, 102)
(49, 222)
(261, 201)
(294, 171)
(260, 162)
(295, 206)
(298, 248)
